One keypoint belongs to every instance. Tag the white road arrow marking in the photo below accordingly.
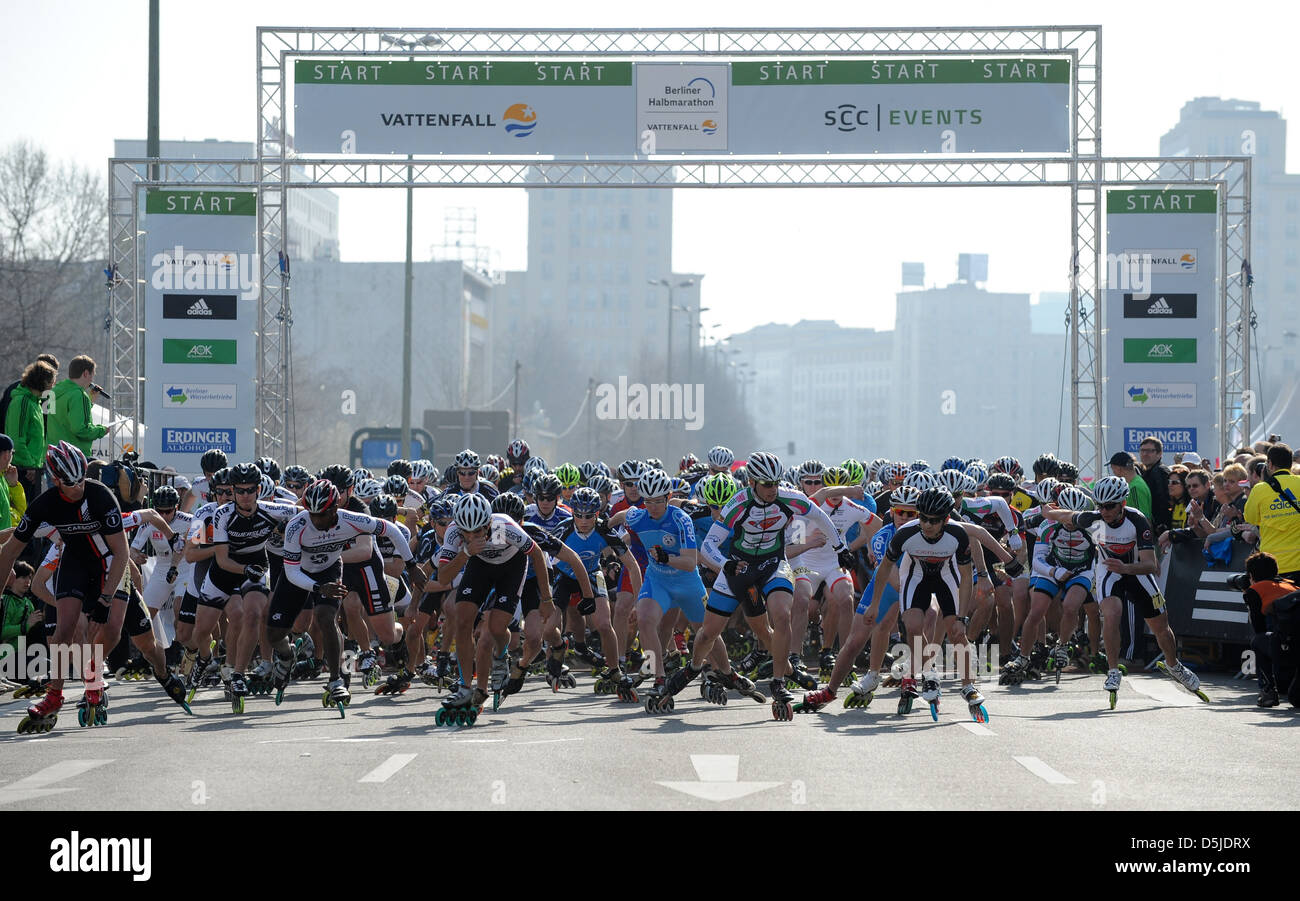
(718, 774)
(36, 785)
(388, 768)
(1163, 689)
(1043, 771)
(977, 728)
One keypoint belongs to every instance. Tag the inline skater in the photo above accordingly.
(1126, 574)
(171, 573)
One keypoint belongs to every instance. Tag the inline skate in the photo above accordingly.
(92, 709)
(43, 715)
(862, 692)
(336, 695)
(975, 701)
(782, 700)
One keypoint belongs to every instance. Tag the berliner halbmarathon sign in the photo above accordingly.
(1161, 317)
(625, 109)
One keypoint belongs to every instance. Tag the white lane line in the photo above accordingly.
(1043, 771)
(281, 741)
(977, 728)
(37, 785)
(1163, 689)
(477, 741)
(388, 768)
(546, 741)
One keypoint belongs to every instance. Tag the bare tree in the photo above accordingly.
(52, 221)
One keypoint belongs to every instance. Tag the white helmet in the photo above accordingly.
(920, 479)
(535, 464)
(654, 483)
(466, 459)
(1073, 499)
(721, 456)
(763, 467)
(368, 489)
(422, 469)
(977, 472)
(904, 496)
(954, 480)
(1110, 490)
(266, 491)
(472, 511)
(1043, 490)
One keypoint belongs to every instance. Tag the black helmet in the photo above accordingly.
(245, 474)
(212, 460)
(400, 468)
(269, 466)
(396, 486)
(165, 497)
(1000, 481)
(546, 486)
(220, 477)
(339, 474)
(1046, 465)
(295, 474)
(510, 504)
(1067, 472)
(934, 502)
(383, 507)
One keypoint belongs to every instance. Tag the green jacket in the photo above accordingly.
(1139, 497)
(13, 617)
(13, 502)
(26, 426)
(70, 420)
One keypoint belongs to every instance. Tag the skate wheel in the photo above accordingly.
(341, 705)
(1124, 669)
(1203, 696)
(81, 716)
(496, 701)
(934, 712)
(1114, 696)
(279, 697)
(437, 718)
(472, 717)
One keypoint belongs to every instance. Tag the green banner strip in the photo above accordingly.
(1159, 350)
(200, 350)
(903, 71)
(202, 203)
(463, 72)
(1162, 200)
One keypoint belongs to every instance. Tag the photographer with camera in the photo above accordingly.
(1272, 602)
(1274, 509)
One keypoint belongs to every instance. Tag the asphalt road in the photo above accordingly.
(1046, 747)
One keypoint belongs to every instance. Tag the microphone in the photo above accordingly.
(99, 390)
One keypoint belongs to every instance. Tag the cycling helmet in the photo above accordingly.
(653, 463)
(384, 507)
(741, 473)
(791, 475)
(630, 470)
(295, 474)
(165, 497)
(680, 485)
(919, 466)
(968, 484)
(66, 461)
(449, 475)
(397, 487)
(422, 469)
(977, 472)
(1043, 490)
(763, 467)
(588, 470)
(267, 490)
(1067, 472)
(510, 504)
(586, 500)
(904, 496)
(245, 474)
(399, 468)
(467, 459)
(1110, 490)
(687, 462)
(718, 489)
(836, 476)
(369, 489)
(1010, 465)
(517, 452)
(920, 479)
(873, 468)
(339, 474)
(721, 456)
(320, 496)
(810, 468)
(954, 480)
(496, 460)
(360, 474)
(892, 472)
(953, 463)
(441, 507)
(934, 502)
(873, 488)
(1000, 481)
(568, 475)
(528, 482)
(219, 478)
(472, 511)
(213, 459)
(535, 464)
(1072, 498)
(1046, 465)
(854, 471)
(604, 469)
(654, 483)
(490, 473)
(546, 486)
(602, 484)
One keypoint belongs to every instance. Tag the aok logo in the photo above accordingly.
(1159, 351)
(200, 352)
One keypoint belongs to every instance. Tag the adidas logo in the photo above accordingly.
(199, 308)
(1159, 308)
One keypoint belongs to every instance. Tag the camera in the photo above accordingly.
(1239, 582)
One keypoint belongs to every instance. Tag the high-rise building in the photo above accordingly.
(312, 218)
(1211, 126)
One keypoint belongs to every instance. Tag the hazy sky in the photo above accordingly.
(75, 78)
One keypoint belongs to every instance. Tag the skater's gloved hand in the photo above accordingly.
(729, 570)
(334, 591)
(178, 543)
(586, 606)
(848, 559)
(254, 573)
(106, 600)
(660, 555)
(1014, 569)
(171, 575)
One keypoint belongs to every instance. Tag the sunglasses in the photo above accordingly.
(294, 486)
(906, 514)
(222, 492)
(584, 516)
(628, 484)
(250, 490)
(811, 481)
(1110, 506)
(69, 482)
(767, 484)
(933, 520)
(467, 472)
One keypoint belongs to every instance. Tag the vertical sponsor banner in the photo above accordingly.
(200, 344)
(1162, 320)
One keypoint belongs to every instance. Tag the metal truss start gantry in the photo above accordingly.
(278, 170)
